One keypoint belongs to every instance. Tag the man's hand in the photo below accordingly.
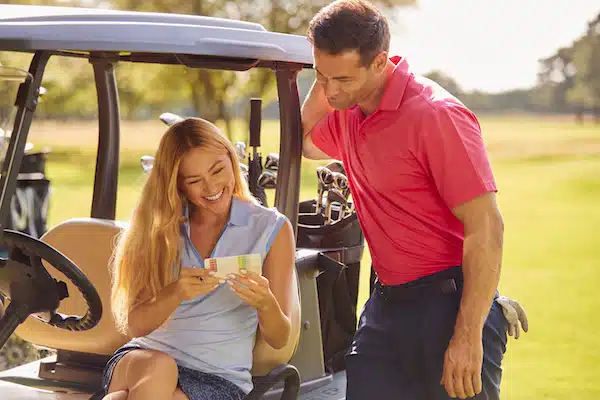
(463, 361)
(515, 315)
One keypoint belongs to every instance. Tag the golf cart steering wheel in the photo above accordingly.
(33, 291)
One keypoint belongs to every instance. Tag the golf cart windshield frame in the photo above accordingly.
(26, 102)
(107, 163)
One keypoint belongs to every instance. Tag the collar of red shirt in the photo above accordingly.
(394, 91)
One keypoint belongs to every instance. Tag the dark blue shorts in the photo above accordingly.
(399, 346)
(195, 384)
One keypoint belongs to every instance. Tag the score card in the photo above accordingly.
(223, 266)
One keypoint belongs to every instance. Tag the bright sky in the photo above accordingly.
(488, 45)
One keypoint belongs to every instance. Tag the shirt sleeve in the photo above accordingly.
(454, 154)
(324, 135)
(279, 221)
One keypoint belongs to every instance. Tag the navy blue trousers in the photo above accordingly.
(398, 350)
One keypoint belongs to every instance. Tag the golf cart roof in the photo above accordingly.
(136, 35)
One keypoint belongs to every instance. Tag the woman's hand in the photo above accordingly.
(194, 282)
(253, 289)
(151, 313)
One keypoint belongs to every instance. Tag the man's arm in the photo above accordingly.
(454, 153)
(482, 258)
(315, 107)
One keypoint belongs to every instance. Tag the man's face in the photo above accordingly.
(345, 81)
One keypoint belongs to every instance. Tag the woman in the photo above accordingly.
(194, 332)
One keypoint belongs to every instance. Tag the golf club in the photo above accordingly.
(325, 179)
(147, 163)
(240, 150)
(170, 118)
(255, 167)
(244, 170)
(336, 166)
(340, 181)
(334, 196)
(272, 161)
(320, 190)
(268, 179)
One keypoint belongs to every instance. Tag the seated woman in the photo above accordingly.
(194, 332)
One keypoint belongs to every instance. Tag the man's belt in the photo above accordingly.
(447, 282)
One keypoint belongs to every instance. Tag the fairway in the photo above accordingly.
(548, 174)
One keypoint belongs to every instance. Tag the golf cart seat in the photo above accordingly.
(81, 356)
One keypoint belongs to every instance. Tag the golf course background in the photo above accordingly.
(548, 173)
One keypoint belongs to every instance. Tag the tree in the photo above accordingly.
(593, 73)
(445, 81)
(574, 73)
(580, 95)
(558, 71)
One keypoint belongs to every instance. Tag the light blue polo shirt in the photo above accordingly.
(215, 333)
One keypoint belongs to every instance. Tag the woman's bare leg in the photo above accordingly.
(145, 374)
(120, 395)
(179, 395)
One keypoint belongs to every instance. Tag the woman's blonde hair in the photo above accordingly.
(149, 248)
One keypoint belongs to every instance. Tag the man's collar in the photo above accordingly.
(396, 85)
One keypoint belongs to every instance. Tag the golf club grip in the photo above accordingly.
(255, 121)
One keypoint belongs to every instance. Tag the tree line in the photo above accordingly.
(568, 82)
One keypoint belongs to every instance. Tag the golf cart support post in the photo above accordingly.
(106, 37)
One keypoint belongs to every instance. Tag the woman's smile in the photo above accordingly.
(215, 197)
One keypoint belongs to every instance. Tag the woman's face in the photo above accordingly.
(207, 180)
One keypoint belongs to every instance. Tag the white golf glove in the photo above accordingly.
(515, 315)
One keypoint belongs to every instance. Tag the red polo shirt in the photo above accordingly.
(419, 155)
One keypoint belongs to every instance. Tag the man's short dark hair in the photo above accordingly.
(347, 25)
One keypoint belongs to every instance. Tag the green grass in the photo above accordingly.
(548, 175)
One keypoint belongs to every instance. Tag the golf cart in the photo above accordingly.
(56, 289)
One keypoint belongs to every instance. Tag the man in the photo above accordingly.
(425, 196)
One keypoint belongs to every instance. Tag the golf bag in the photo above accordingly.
(342, 246)
(29, 204)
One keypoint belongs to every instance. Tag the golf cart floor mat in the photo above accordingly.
(334, 390)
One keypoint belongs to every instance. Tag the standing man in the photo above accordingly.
(425, 196)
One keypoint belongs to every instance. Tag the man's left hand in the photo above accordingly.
(462, 365)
